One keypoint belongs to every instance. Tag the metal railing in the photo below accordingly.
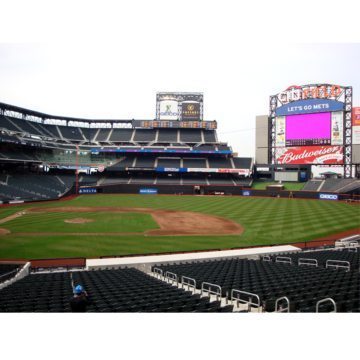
(326, 300)
(280, 308)
(338, 264)
(190, 282)
(308, 262)
(8, 273)
(209, 289)
(283, 259)
(251, 297)
(158, 272)
(171, 277)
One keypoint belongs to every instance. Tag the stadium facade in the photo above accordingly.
(177, 152)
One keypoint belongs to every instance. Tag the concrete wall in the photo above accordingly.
(261, 139)
(261, 155)
(356, 154)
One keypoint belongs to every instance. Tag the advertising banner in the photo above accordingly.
(310, 155)
(168, 169)
(280, 131)
(356, 125)
(234, 171)
(87, 191)
(246, 193)
(185, 106)
(190, 111)
(356, 116)
(328, 197)
(169, 110)
(337, 127)
(309, 107)
(145, 191)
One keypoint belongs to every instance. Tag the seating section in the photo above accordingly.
(8, 124)
(220, 181)
(35, 187)
(142, 179)
(126, 290)
(190, 135)
(194, 163)
(312, 185)
(168, 162)
(242, 163)
(8, 271)
(121, 135)
(122, 164)
(335, 185)
(194, 180)
(38, 293)
(165, 179)
(145, 162)
(303, 285)
(223, 147)
(209, 136)
(219, 163)
(205, 147)
(121, 179)
(18, 155)
(243, 182)
(146, 136)
(167, 135)
(102, 135)
(70, 132)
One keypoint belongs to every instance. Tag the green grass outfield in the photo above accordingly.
(102, 222)
(265, 220)
(261, 185)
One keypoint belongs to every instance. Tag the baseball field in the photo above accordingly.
(104, 225)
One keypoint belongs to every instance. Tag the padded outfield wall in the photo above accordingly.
(216, 190)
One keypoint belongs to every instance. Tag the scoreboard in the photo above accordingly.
(175, 124)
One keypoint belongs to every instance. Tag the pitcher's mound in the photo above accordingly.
(78, 221)
(4, 231)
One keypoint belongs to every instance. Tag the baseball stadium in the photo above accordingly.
(161, 215)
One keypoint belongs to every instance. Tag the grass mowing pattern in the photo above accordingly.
(292, 186)
(266, 221)
(102, 223)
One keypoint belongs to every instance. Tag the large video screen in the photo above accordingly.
(308, 129)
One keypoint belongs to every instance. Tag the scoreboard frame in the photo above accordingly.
(301, 95)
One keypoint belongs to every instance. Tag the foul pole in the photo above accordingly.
(77, 170)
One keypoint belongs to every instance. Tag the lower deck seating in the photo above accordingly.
(126, 290)
(29, 186)
(7, 271)
(304, 286)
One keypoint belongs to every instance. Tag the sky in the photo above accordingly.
(112, 67)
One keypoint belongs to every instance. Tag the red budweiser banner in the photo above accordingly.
(310, 155)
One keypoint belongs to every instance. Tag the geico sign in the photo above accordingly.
(295, 93)
(328, 197)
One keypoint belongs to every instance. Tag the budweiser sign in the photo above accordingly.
(310, 155)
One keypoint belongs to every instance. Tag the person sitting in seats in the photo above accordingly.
(79, 301)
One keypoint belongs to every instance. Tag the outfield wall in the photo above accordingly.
(215, 190)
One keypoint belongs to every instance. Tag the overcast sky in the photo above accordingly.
(111, 61)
